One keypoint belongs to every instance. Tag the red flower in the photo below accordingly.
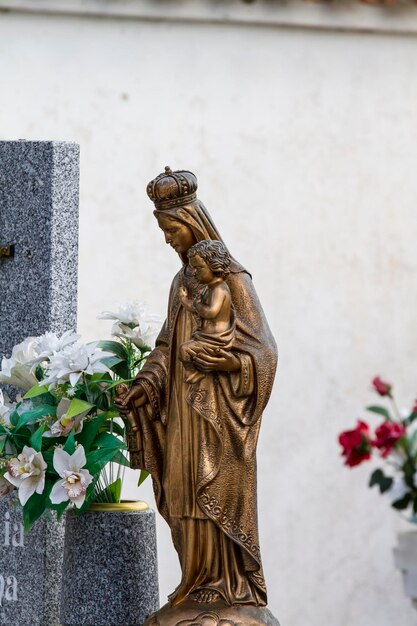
(383, 388)
(387, 436)
(414, 409)
(356, 444)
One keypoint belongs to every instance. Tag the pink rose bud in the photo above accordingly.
(381, 387)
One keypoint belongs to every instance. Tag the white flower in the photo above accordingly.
(64, 425)
(5, 410)
(136, 335)
(5, 486)
(27, 473)
(48, 344)
(398, 490)
(132, 321)
(17, 370)
(73, 361)
(75, 480)
(129, 313)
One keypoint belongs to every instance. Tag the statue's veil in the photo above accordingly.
(198, 219)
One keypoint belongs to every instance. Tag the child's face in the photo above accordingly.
(202, 272)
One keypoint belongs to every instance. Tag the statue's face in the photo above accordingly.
(177, 234)
(201, 270)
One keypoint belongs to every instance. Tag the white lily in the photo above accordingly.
(49, 343)
(64, 425)
(17, 370)
(132, 321)
(143, 335)
(74, 360)
(75, 480)
(130, 313)
(27, 473)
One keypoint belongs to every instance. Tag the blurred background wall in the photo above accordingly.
(300, 122)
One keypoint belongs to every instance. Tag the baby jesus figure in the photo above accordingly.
(216, 328)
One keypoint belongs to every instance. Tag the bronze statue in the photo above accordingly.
(196, 409)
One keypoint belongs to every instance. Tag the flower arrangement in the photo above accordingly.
(395, 441)
(64, 443)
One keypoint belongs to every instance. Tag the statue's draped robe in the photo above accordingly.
(199, 444)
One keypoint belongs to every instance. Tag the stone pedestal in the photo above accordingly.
(191, 613)
(39, 186)
(30, 569)
(110, 574)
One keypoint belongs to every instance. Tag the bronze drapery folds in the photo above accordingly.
(196, 408)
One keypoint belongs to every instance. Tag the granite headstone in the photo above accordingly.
(30, 569)
(39, 186)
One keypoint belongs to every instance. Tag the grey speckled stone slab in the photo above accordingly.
(30, 569)
(110, 575)
(39, 187)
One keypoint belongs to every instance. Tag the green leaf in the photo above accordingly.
(98, 459)
(35, 414)
(380, 410)
(143, 476)
(403, 503)
(122, 370)
(35, 391)
(3, 441)
(36, 439)
(410, 419)
(116, 489)
(48, 456)
(111, 493)
(35, 506)
(117, 348)
(91, 428)
(120, 459)
(99, 377)
(77, 407)
(70, 443)
(110, 361)
(378, 478)
(14, 418)
(21, 439)
(107, 440)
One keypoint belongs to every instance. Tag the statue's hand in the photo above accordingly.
(217, 360)
(134, 398)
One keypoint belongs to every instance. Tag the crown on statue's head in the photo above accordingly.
(171, 189)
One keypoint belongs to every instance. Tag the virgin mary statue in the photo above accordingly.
(199, 442)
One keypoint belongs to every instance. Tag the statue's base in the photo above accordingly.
(191, 613)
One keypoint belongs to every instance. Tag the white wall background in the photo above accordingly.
(304, 143)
